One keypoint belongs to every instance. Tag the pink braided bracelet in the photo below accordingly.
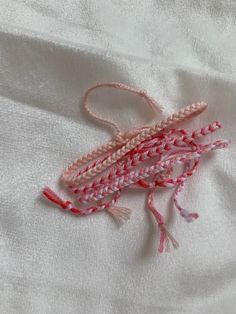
(142, 158)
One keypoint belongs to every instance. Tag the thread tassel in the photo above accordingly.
(121, 214)
(55, 198)
(165, 236)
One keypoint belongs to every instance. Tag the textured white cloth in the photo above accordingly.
(51, 51)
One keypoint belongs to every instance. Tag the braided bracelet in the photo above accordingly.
(141, 158)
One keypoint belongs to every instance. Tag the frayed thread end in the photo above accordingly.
(165, 239)
(121, 214)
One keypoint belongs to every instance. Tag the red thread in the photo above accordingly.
(66, 205)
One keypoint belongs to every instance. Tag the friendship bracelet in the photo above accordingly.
(142, 158)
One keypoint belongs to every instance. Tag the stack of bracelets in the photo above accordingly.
(142, 158)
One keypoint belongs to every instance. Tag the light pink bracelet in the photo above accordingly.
(142, 158)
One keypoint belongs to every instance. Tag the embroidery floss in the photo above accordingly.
(142, 158)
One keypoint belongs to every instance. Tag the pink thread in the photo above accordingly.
(155, 107)
(142, 158)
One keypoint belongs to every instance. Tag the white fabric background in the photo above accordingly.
(51, 51)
